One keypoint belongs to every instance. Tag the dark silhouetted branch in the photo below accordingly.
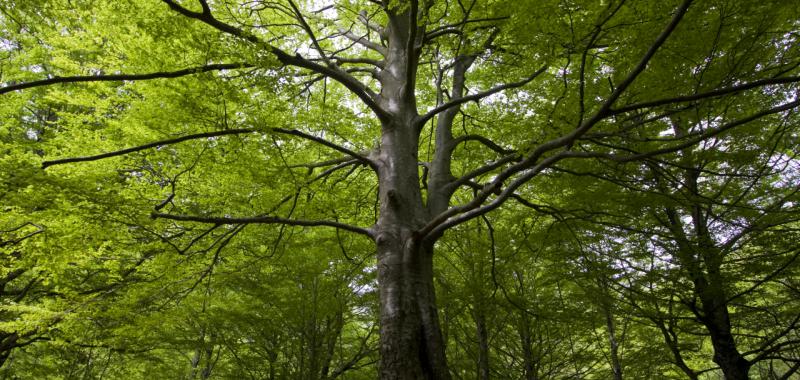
(705, 95)
(121, 152)
(263, 220)
(122, 77)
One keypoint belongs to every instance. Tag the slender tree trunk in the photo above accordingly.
(482, 336)
(529, 361)
(613, 342)
(333, 332)
(671, 340)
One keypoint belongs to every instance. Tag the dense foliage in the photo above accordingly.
(272, 189)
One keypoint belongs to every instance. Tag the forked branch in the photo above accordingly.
(705, 95)
(351, 83)
(531, 166)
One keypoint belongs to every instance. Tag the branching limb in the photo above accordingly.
(463, 180)
(321, 164)
(310, 32)
(206, 17)
(475, 97)
(766, 278)
(39, 229)
(531, 164)
(457, 28)
(358, 60)
(123, 77)
(476, 208)
(362, 17)
(351, 83)
(327, 143)
(264, 220)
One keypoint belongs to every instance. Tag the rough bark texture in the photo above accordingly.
(411, 344)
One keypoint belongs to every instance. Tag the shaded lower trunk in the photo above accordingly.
(411, 345)
(716, 318)
(726, 355)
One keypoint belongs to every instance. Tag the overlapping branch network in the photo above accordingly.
(516, 169)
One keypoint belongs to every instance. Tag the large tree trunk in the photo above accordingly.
(411, 344)
(702, 260)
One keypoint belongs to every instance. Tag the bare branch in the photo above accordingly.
(705, 95)
(321, 164)
(264, 220)
(123, 77)
(362, 16)
(459, 214)
(484, 170)
(121, 152)
(310, 32)
(358, 60)
(207, 18)
(327, 143)
(457, 28)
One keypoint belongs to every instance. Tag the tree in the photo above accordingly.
(398, 77)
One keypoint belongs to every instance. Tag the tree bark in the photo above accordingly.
(702, 260)
(411, 343)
